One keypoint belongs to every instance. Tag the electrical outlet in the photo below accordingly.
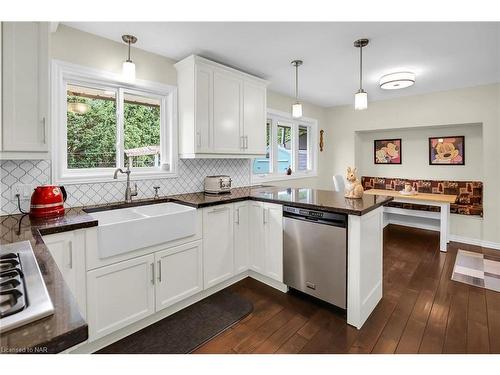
(24, 191)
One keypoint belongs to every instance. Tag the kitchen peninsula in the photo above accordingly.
(364, 250)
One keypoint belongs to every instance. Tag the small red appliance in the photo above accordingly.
(47, 201)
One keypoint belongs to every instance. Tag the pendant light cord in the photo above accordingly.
(297, 81)
(360, 68)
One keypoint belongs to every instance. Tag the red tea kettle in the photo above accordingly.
(48, 201)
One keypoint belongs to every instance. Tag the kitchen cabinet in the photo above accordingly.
(120, 294)
(179, 273)
(241, 236)
(227, 124)
(222, 111)
(218, 248)
(254, 117)
(256, 241)
(266, 240)
(273, 240)
(68, 251)
(25, 90)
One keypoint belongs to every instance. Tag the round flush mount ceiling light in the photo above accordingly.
(398, 80)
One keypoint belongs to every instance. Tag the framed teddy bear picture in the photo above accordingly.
(447, 150)
(387, 151)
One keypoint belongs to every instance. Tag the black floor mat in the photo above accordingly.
(187, 329)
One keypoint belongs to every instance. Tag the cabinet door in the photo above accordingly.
(241, 236)
(25, 86)
(218, 250)
(68, 251)
(203, 108)
(256, 237)
(179, 273)
(227, 135)
(120, 294)
(254, 118)
(273, 228)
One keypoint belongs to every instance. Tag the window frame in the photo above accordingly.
(65, 73)
(312, 161)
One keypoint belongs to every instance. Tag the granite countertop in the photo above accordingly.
(325, 200)
(66, 327)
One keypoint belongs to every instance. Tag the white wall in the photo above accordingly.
(476, 105)
(415, 153)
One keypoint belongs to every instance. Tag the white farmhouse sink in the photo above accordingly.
(128, 229)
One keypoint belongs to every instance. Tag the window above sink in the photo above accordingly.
(101, 123)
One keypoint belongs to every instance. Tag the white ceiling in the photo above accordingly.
(443, 55)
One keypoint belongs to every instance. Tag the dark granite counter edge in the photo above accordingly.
(285, 203)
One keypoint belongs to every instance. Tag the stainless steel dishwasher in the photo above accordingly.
(315, 252)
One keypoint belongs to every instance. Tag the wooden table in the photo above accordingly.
(443, 201)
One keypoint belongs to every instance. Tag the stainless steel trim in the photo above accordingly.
(39, 303)
(159, 271)
(44, 128)
(70, 262)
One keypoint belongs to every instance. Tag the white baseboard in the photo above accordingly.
(453, 237)
(475, 241)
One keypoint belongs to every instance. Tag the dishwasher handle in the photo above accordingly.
(318, 217)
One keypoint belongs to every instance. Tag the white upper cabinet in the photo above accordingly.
(254, 117)
(25, 90)
(222, 111)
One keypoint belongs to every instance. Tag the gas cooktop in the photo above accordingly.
(23, 295)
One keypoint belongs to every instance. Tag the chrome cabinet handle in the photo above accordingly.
(152, 273)
(242, 142)
(238, 215)
(198, 139)
(220, 209)
(246, 141)
(70, 262)
(44, 129)
(263, 215)
(159, 271)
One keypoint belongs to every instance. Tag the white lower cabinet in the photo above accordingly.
(120, 294)
(68, 251)
(266, 239)
(218, 248)
(273, 240)
(257, 252)
(241, 236)
(179, 273)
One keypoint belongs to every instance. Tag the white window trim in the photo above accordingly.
(313, 162)
(63, 72)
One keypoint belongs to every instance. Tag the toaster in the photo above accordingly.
(217, 184)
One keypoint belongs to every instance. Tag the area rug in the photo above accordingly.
(187, 329)
(477, 269)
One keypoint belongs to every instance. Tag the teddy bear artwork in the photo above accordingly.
(353, 188)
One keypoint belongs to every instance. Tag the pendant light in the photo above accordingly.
(128, 67)
(361, 97)
(297, 106)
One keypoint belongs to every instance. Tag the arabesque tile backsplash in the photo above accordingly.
(190, 179)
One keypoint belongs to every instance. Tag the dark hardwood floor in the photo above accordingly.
(422, 310)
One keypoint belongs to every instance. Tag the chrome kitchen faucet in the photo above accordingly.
(129, 193)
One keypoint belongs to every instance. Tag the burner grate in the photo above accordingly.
(12, 298)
